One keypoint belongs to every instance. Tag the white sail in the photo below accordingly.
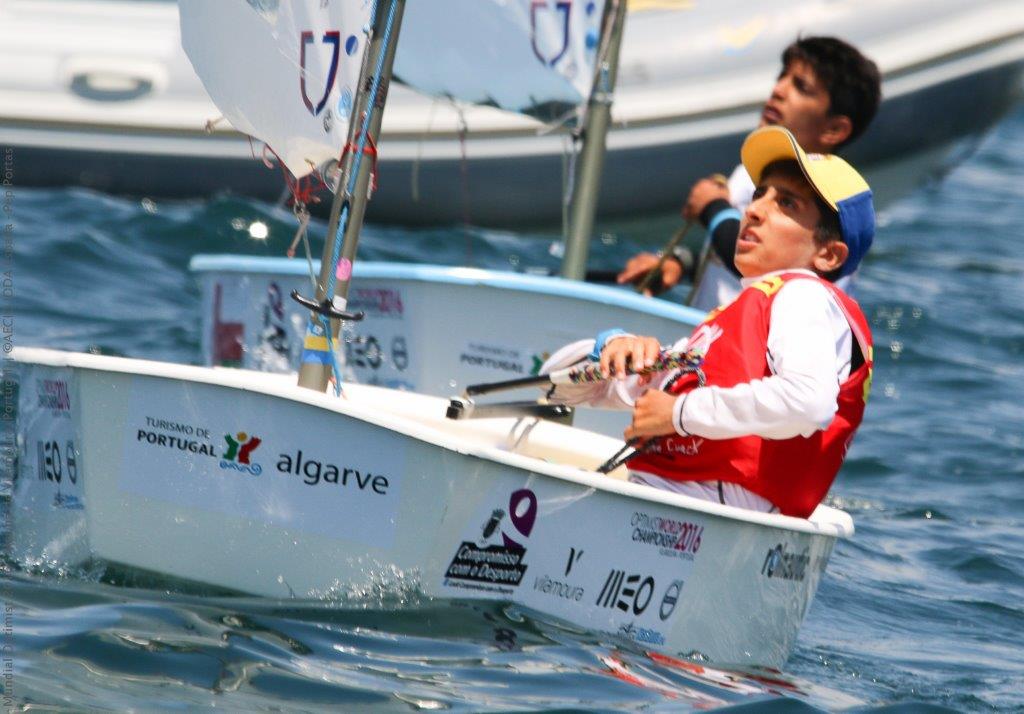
(287, 72)
(528, 56)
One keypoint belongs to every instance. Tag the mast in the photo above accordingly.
(349, 204)
(595, 131)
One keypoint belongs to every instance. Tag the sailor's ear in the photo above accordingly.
(837, 130)
(831, 256)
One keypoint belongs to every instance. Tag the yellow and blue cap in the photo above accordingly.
(838, 184)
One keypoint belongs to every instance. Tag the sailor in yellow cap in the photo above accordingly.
(787, 364)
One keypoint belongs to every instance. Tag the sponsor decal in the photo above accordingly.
(196, 440)
(501, 359)
(57, 464)
(315, 471)
(574, 556)
(562, 588)
(364, 352)
(176, 435)
(175, 442)
(494, 564)
(274, 337)
(672, 538)
(54, 395)
(52, 465)
(399, 353)
(629, 593)
(670, 599)
(641, 634)
(558, 588)
(496, 561)
(309, 482)
(780, 562)
(377, 302)
(239, 453)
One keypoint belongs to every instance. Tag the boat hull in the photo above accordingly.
(379, 490)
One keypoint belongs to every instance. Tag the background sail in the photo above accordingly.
(284, 72)
(530, 56)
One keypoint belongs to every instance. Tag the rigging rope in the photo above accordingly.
(414, 177)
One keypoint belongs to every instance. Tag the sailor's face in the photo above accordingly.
(799, 102)
(777, 228)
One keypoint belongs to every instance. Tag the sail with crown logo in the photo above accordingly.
(287, 72)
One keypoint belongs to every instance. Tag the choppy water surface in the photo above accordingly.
(924, 605)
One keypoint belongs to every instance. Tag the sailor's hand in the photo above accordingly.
(704, 192)
(637, 352)
(642, 263)
(652, 416)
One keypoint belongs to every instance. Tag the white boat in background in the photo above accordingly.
(100, 94)
(428, 328)
(243, 480)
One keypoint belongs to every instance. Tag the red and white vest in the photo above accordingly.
(794, 474)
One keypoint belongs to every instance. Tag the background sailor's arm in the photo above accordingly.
(799, 398)
(722, 221)
(672, 270)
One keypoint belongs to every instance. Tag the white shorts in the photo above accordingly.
(730, 494)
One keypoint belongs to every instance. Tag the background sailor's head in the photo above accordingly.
(827, 94)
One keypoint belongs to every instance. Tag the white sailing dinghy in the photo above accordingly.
(247, 320)
(244, 480)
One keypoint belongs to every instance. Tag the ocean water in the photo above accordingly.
(923, 608)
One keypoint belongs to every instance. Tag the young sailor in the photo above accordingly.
(826, 95)
(787, 364)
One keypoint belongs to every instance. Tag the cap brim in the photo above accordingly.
(830, 176)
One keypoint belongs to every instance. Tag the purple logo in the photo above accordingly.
(331, 38)
(560, 9)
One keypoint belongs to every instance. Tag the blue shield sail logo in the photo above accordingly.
(332, 39)
(548, 15)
